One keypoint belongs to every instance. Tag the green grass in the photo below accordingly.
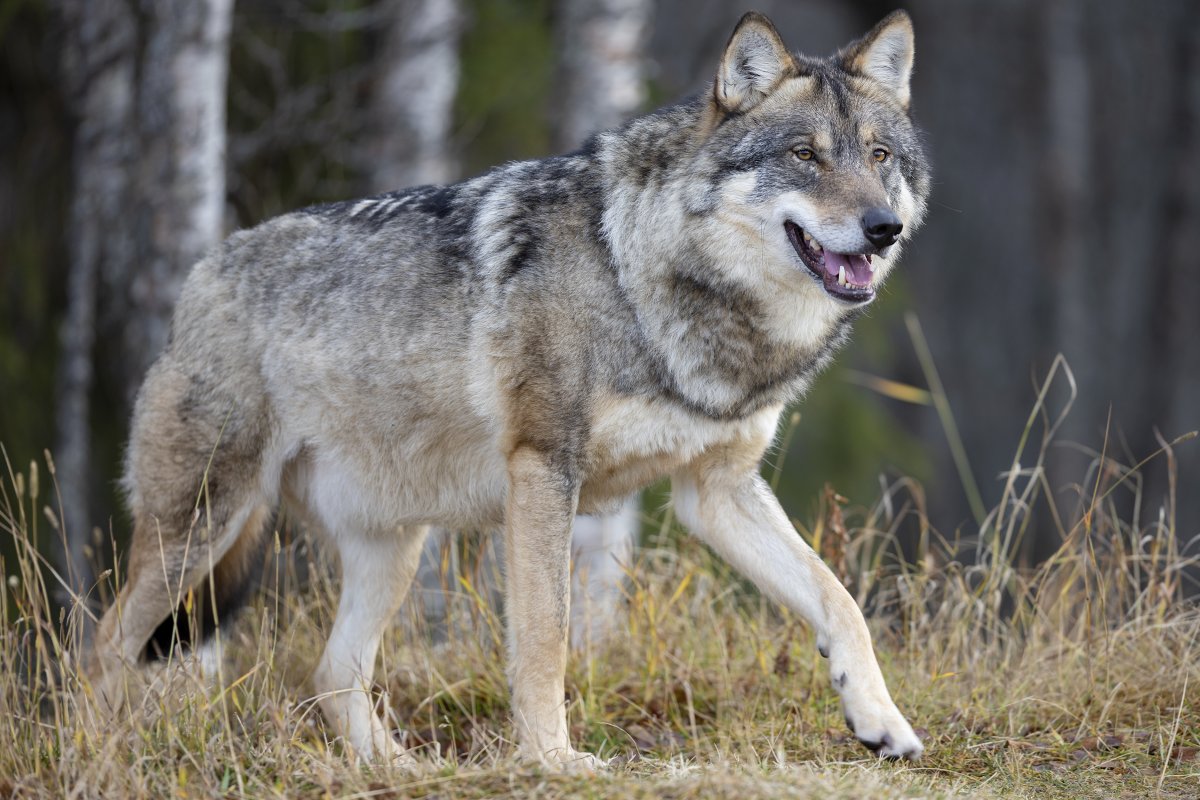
(1077, 678)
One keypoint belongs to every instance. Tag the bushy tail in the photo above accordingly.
(218, 598)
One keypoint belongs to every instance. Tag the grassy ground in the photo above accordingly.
(1077, 679)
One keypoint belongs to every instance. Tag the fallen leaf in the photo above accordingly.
(1094, 743)
(642, 738)
(1181, 754)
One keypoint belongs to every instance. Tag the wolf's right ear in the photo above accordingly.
(754, 62)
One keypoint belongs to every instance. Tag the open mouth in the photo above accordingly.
(845, 276)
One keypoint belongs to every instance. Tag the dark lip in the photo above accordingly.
(812, 261)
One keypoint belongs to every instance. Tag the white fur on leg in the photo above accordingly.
(377, 570)
(738, 516)
(601, 547)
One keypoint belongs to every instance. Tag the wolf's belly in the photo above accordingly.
(374, 479)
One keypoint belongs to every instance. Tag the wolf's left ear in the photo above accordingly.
(754, 62)
(885, 54)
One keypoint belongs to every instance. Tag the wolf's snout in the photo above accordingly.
(881, 226)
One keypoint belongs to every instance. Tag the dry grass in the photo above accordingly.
(1075, 679)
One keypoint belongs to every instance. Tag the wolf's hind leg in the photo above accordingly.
(730, 507)
(197, 483)
(164, 565)
(377, 571)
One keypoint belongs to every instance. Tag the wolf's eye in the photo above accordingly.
(803, 154)
(880, 155)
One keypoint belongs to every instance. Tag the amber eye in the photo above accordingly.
(880, 155)
(803, 154)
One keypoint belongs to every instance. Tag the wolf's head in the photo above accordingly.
(814, 164)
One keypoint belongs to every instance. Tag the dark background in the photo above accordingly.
(1065, 216)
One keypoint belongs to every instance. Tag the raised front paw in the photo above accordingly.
(878, 724)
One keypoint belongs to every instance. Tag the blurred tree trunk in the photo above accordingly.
(147, 88)
(974, 268)
(99, 67)
(602, 68)
(1182, 210)
(1131, 322)
(413, 103)
(177, 194)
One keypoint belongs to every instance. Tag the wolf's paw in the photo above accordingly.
(880, 727)
(395, 755)
(567, 759)
(888, 745)
(382, 748)
(108, 695)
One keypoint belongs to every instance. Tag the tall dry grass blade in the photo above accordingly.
(942, 403)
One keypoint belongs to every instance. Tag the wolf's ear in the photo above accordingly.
(885, 54)
(754, 62)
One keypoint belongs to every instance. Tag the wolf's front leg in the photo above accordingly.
(725, 503)
(541, 505)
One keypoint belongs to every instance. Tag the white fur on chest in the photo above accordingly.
(633, 427)
(634, 441)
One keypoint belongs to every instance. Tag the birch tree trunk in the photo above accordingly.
(147, 88)
(99, 66)
(602, 69)
(413, 103)
(178, 189)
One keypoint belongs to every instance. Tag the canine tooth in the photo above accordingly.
(842, 275)
(870, 265)
(808, 237)
(817, 247)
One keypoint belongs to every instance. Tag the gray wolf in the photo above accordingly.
(542, 340)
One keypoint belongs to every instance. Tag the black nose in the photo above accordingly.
(881, 226)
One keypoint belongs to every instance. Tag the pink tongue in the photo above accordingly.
(858, 268)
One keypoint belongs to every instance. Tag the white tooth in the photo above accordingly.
(842, 275)
(817, 247)
(871, 265)
(808, 237)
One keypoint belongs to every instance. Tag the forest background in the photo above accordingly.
(1065, 138)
